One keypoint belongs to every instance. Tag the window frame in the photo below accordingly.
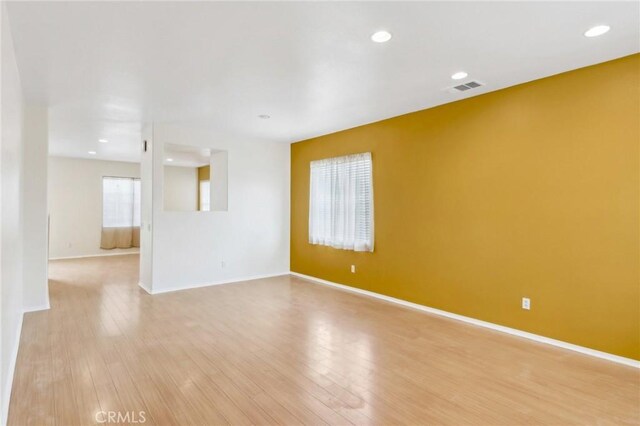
(341, 202)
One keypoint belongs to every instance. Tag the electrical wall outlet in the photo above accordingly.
(526, 303)
(353, 269)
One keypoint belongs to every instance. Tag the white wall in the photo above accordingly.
(180, 188)
(11, 187)
(75, 204)
(146, 209)
(35, 254)
(219, 180)
(251, 238)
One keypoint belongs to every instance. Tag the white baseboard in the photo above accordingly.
(144, 287)
(210, 283)
(36, 308)
(542, 339)
(6, 398)
(95, 255)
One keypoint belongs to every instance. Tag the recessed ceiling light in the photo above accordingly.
(597, 31)
(169, 159)
(264, 116)
(103, 140)
(459, 75)
(381, 36)
(92, 152)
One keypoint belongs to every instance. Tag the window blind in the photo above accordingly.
(341, 202)
(205, 195)
(120, 202)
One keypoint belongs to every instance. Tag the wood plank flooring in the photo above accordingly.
(285, 351)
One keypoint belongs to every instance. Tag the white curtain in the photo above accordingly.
(341, 202)
(120, 213)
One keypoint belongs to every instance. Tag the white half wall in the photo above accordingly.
(250, 239)
(75, 204)
(10, 213)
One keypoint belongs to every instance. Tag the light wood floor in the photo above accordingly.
(285, 351)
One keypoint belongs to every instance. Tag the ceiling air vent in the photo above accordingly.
(467, 86)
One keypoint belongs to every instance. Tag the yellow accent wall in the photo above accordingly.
(528, 191)
(204, 172)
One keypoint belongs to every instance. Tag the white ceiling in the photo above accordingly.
(186, 156)
(106, 67)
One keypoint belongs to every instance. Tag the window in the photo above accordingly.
(120, 202)
(205, 196)
(341, 202)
